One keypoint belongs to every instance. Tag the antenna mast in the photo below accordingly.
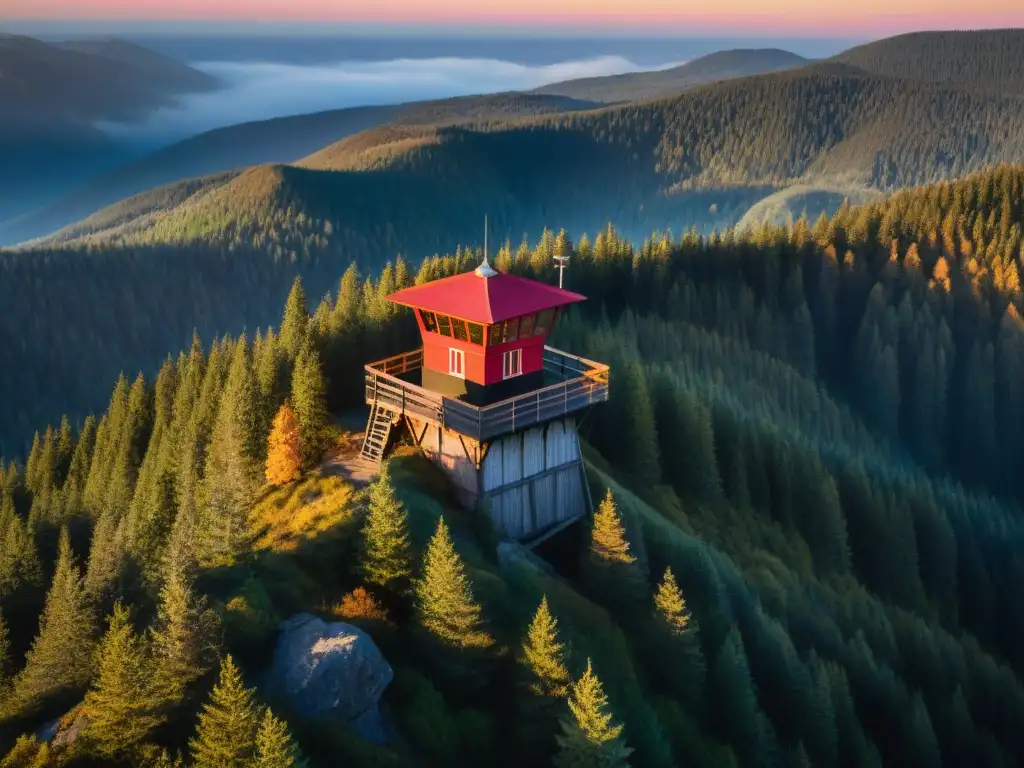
(563, 262)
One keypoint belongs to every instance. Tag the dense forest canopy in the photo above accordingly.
(807, 552)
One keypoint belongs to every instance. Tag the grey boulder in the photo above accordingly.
(330, 671)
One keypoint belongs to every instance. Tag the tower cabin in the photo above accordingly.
(487, 400)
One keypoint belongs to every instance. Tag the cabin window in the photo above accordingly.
(526, 326)
(511, 330)
(512, 364)
(459, 329)
(476, 333)
(544, 322)
(494, 334)
(429, 321)
(444, 325)
(457, 363)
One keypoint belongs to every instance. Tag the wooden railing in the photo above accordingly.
(585, 383)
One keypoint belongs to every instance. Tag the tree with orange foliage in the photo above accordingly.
(284, 448)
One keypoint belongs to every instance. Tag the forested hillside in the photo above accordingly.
(641, 86)
(981, 60)
(281, 140)
(783, 572)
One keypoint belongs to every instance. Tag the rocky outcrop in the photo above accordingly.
(330, 671)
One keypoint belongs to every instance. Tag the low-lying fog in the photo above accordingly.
(262, 90)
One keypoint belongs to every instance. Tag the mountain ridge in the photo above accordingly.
(712, 67)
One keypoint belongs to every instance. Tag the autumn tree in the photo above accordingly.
(284, 448)
(590, 738)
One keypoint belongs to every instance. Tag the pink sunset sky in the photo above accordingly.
(789, 17)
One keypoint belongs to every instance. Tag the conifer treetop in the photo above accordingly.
(444, 596)
(608, 542)
(671, 605)
(545, 654)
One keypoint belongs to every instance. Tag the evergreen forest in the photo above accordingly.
(806, 549)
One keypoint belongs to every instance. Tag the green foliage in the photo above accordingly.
(444, 599)
(309, 402)
(183, 639)
(228, 723)
(387, 553)
(121, 706)
(544, 655)
(590, 737)
(60, 661)
(275, 747)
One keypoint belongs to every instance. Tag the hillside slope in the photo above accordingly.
(641, 86)
(777, 577)
(52, 95)
(281, 140)
(701, 159)
(982, 60)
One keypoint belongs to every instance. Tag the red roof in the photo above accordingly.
(481, 299)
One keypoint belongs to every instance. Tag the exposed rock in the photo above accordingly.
(64, 731)
(330, 671)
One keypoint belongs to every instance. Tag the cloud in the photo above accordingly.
(263, 90)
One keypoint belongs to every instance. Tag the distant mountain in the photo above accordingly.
(92, 80)
(702, 159)
(987, 59)
(282, 140)
(639, 86)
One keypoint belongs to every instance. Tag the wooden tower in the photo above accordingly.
(489, 401)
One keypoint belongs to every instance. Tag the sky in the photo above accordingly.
(787, 17)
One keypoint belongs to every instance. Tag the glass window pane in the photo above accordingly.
(429, 321)
(526, 326)
(543, 322)
(476, 333)
(494, 334)
(444, 324)
(459, 329)
(511, 330)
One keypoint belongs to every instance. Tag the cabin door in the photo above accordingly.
(457, 363)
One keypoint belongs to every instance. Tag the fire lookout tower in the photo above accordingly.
(489, 401)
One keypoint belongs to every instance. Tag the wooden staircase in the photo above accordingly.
(378, 430)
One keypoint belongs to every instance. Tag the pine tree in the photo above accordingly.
(671, 605)
(610, 567)
(681, 658)
(19, 559)
(275, 747)
(608, 543)
(387, 554)
(544, 654)
(232, 465)
(590, 738)
(61, 658)
(444, 599)
(295, 321)
(5, 657)
(309, 402)
(121, 707)
(183, 639)
(284, 448)
(228, 724)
